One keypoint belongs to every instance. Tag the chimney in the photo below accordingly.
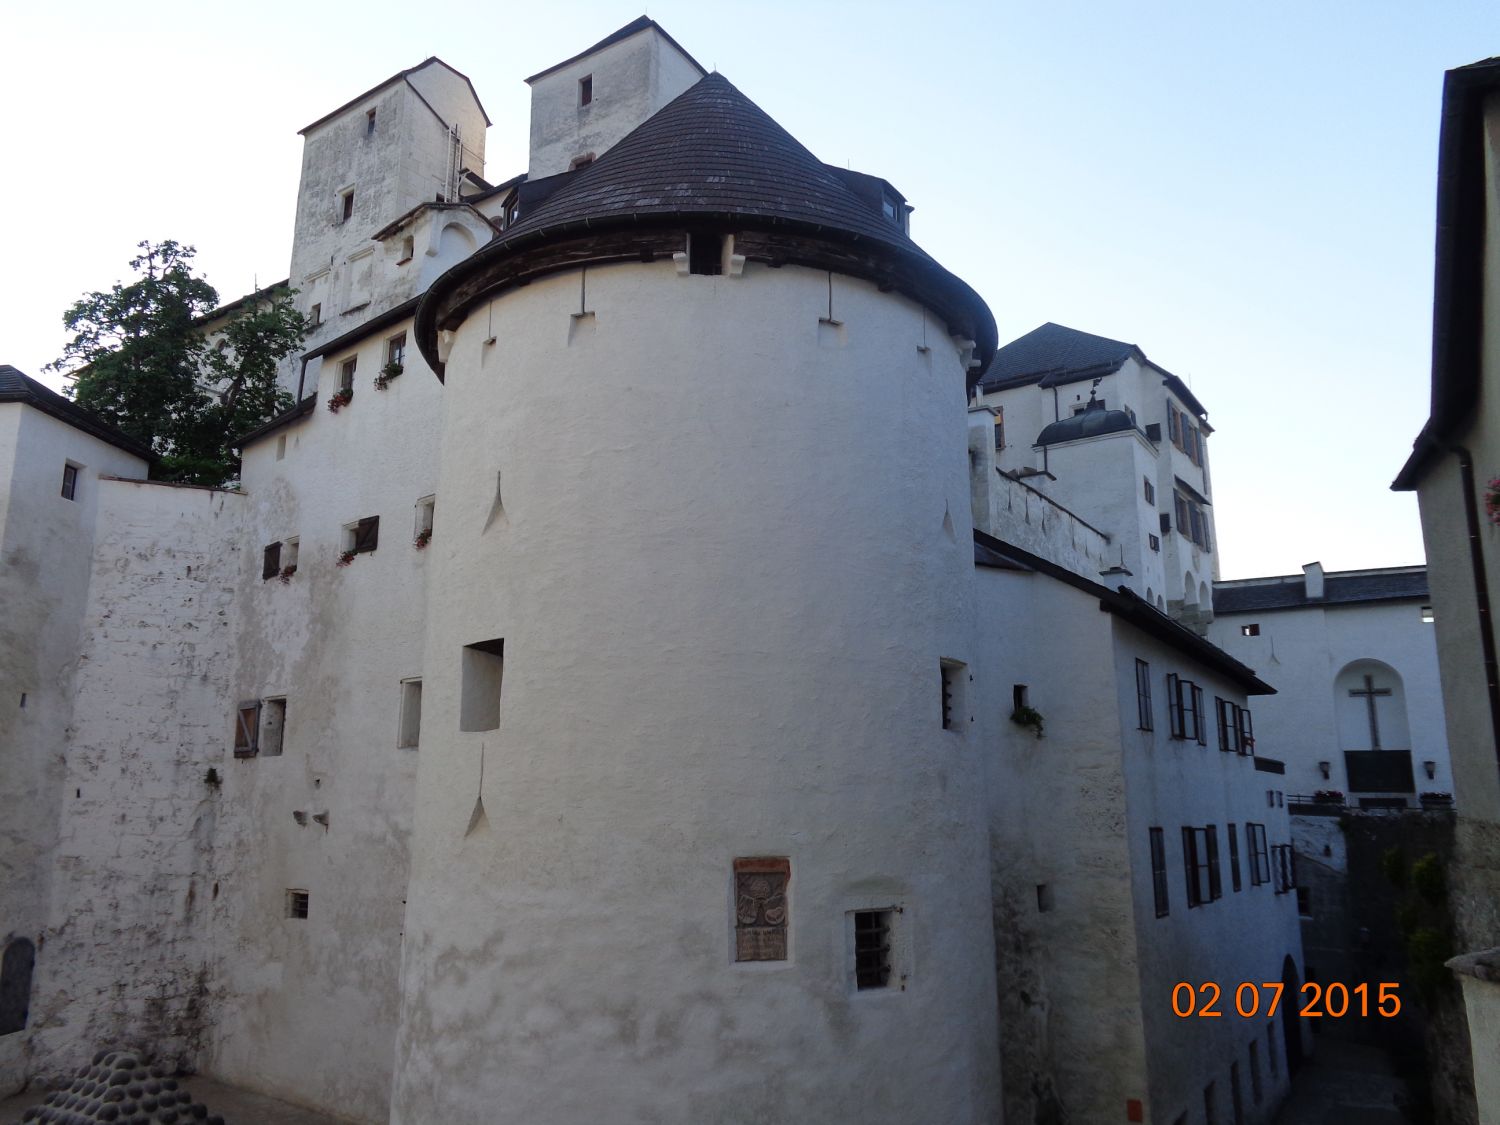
(1312, 581)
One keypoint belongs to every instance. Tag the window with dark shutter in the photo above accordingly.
(366, 534)
(1148, 491)
(1246, 740)
(1174, 706)
(1260, 861)
(247, 729)
(1159, 872)
(270, 565)
(1226, 720)
(1200, 720)
(1166, 523)
(70, 482)
(1173, 427)
(1143, 695)
(1195, 865)
(1180, 509)
(1234, 857)
(1215, 876)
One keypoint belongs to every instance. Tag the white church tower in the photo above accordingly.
(699, 818)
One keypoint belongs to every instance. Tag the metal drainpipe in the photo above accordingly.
(1481, 592)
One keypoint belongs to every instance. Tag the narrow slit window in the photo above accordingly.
(426, 510)
(872, 948)
(297, 903)
(346, 206)
(1234, 857)
(70, 481)
(370, 123)
(586, 90)
(1143, 695)
(482, 676)
(316, 314)
(410, 729)
(1159, 872)
(270, 565)
(272, 726)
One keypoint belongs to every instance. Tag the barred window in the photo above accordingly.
(872, 948)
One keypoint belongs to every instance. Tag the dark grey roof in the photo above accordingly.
(635, 26)
(291, 414)
(16, 387)
(712, 151)
(1458, 327)
(1093, 421)
(1124, 603)
(1054, 355)
(1289, 592)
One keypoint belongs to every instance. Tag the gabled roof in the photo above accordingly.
(634, 27)
(16, 387)
(1458, 271)
(1055, 355)
(710, 157)
(1124, 603)
(400, 76)
(1257, 595)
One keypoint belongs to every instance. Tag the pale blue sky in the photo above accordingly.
(1244, 191)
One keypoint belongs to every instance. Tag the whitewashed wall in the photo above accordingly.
(45, 550)
(725, 587)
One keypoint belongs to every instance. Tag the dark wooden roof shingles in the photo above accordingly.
(1347, 589)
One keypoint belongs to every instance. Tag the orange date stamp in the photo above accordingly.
(1334, 1000)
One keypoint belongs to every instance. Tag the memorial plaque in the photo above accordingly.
(760, 908)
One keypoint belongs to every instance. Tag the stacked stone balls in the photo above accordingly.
(119, 1088)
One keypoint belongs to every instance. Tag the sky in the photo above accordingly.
(1244, 191)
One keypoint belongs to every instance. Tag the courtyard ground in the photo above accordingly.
(1344, 1083)
(237, 1107)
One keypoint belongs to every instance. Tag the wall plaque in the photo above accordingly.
(760, 909)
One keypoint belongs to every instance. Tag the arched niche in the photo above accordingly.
(1370, 702)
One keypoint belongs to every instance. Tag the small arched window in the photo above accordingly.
(15, 984)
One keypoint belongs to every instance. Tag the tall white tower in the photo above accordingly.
(699, 830)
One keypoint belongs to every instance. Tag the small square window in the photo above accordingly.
(1154, 542)
(872, 948)
(70, 481)
(1252, 630)
(586, 90)
(410, 728)
(1149, 491)
(296, 904)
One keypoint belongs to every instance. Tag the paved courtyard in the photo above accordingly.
(1344, 1083)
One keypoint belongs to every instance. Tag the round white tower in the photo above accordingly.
(698, 616)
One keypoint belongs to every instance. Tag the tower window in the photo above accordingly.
(483, 673)
(316, 315)
(346, 206)
(272, 726)
(410, 731)
(872, 948)
(346, 373)
(705, 253)
(271, 561)
(296, 904)
(586, 90)
(950, 673)
(370, 123)
(70, 482)
(1149, 490)
(1250, 630)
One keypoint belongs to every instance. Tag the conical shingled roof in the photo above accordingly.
(711, 151)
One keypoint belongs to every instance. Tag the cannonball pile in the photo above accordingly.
(119, 1088)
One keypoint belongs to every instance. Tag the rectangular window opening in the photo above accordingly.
(482, 674)
(1149, 490)
(1251, 630)
(1043, 898)
(296, 904)
(290, 549)
(247, 729)
(1154, 541)
(586, 90)
(426, 509)
(1195, 865)
(1234, 857)
(270, 565)
(1159, 872)
(872, 948)
(366, 535)
(346, 373)
(315, 315)
(1143, 713)
(1427, 614)
(705, 252)
(409, 730)
(1215, 872)
(370, 123)
(272, 726)
(395, 350)
(70, 481)
(1260, 856)
(346, 206)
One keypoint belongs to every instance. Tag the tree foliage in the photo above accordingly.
(139, 357)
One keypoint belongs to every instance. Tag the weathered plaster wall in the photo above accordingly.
(725, 587)
(632, 79)
(335, 642)
(125, 951)
(1301, 651)
(1243, 936)
(45, 547)
(1072, 1048)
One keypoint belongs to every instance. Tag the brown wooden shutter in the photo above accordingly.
(270, 565)
(246, 729)
(366, 534)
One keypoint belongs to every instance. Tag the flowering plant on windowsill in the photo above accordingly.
(1328, 797)
(387, 373)
(423, 538)
(340, 399)
(286, 574)
(345, 559)
(1028, 717)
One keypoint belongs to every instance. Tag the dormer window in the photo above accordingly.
(586, 90)
(893, 209)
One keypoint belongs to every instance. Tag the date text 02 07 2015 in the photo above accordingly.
(1314, 1001)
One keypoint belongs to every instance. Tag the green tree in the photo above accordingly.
(140, 359)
